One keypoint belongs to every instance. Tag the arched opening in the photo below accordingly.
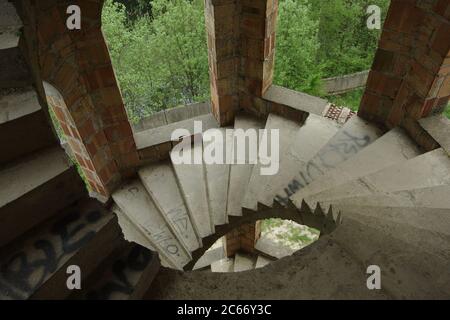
(325, 48)
(159, 54)
(79, 66)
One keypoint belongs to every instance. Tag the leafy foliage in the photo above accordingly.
(159, 48)
(297, 47)
(161, 60)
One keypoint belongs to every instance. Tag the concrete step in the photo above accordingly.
(354, 136)
(35, 188)
(437, 127)
(223, 265)
(133, 233)
(126, 275)
(262, 261)
(428, 170)
(427, 240)
(10, 25)
(243, 262)
(135, 202)
(160, 182)
(21, 114)
(15, 72)
(191, 179)
(286, 131)
(218, 175)
(17, 103)
(394, 147)
(240, 173)
(435, 197)
(35, 266)
(430, 219)
(306, 142)
(209, 258)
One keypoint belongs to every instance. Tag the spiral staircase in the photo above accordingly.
(376, 196)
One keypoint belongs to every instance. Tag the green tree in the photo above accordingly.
(296, 48)
(160, 60)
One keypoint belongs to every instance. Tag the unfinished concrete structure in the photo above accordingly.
(377, 187)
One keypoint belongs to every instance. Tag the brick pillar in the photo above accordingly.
(78, 65)
(222, 21)
(410, 76)
(243, 238)
(257, 39)
(241, 51)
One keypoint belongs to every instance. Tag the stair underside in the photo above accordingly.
(34, 266)
(334, 267)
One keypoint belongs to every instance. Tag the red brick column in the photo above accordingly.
(77, 64)
(258, 24)
(410, 76)
(243, 238)
(241, 50)
(222, 21)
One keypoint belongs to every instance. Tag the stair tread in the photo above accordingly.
(354, 136)
(243, 262)
(192, 184)
(394, 147)
(223, 265)
(435, 197)
(287, 130)
(15, 72)
(160, 182)
(308, 140)
(261, 262)
(163, 134)
(217, 176)
(132, 233)
(30, 172)
(240, 173)
(10, 25)
(135, 202)
(431, 219)
(16, 103)
(127, 277)
(36, 262)
(209, 258)
(438, 128)
(424, 171)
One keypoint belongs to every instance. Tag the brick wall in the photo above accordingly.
(222, 20)
(91, 111)
(241, 46)
(242, 238)
(410, 76)
(72, 136)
